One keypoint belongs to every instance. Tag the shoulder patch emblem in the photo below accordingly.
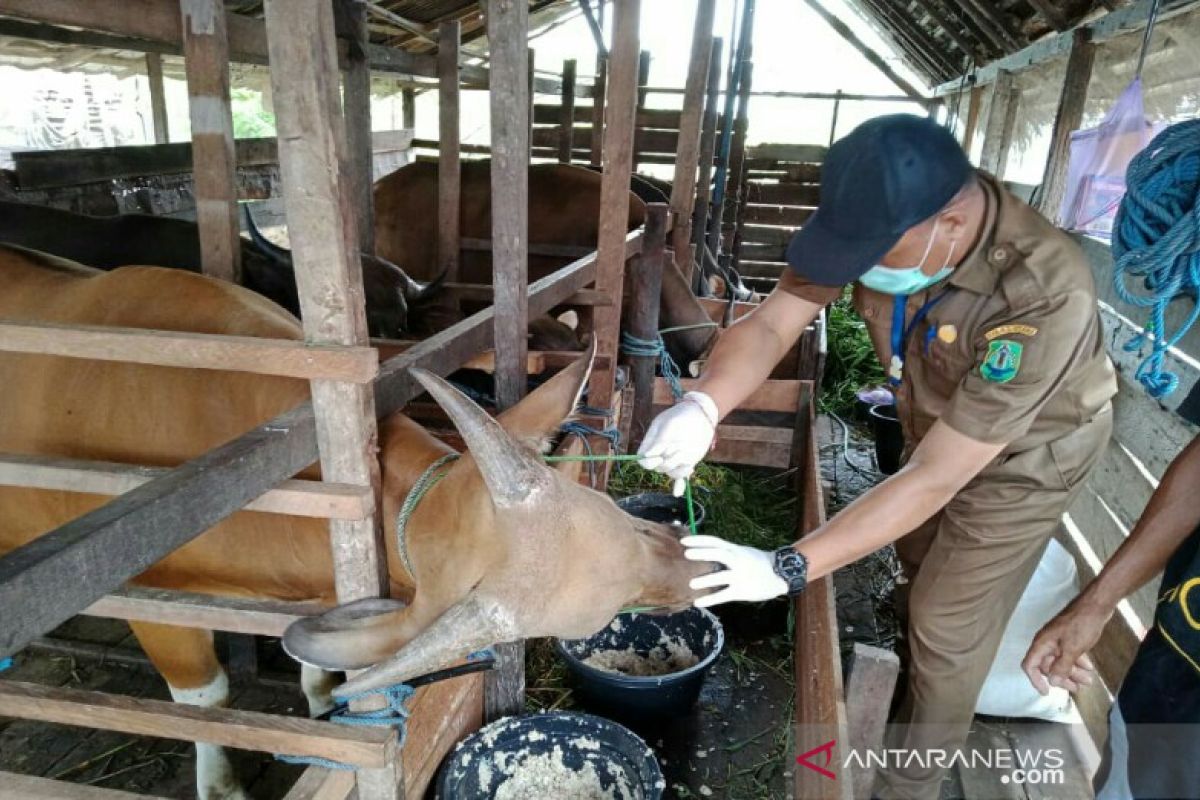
(1005, 330)
(1002, 361)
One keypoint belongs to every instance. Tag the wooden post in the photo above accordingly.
(837, 102)
(619, 118)
(158, 98)
(1068, 118)
(708, 151)
(356, 93)
(566, 124)
(998, 132)
(688, 152)
(508, 32)
(599, 90)
(974, 103)
(643, 319)
(206, 60)
(643, 81)
(408, 109)
(449, 155)
(736, 185)
(322, 225)
(532, 91)
(869, 689)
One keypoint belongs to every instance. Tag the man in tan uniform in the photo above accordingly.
(985, 316)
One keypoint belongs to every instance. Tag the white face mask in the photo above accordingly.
(908, 280)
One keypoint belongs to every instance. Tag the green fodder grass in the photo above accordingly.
(851, 363)
(749, 506)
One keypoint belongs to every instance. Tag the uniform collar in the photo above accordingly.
(980, 270)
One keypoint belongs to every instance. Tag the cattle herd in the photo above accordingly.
(503, 547)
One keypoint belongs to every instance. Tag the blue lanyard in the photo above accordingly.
(900, 332)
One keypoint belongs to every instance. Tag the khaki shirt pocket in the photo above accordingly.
(1075, 454)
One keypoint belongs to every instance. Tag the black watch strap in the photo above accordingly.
(792, 566)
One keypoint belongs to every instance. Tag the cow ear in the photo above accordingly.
(536, 419)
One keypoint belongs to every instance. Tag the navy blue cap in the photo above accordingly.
(878, 181)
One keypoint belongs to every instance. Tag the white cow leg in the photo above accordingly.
(318, 689)
(214, 773)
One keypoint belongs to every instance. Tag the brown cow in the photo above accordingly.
(564, 209)
(502, 547)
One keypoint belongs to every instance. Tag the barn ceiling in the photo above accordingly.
(941, 39)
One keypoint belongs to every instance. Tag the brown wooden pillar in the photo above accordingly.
(449, 150)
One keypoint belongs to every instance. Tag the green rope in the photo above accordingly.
(696, 326)
(427, 481)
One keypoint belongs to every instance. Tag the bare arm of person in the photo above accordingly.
(1058, 655)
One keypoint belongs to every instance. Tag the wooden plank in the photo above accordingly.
(737, 194)
(771, 395)
(551, 114)
(486, 360)
(408, 110)
(1068, 118)
(767, 234)
(974, 104)
(1104, 531)
(784, 194)
(365, 746)
(68, 568)
(323, 232)
(998, 131)
(614, 189)
(753, 445)
(554, 250)
(356, 103)
(599, 101)
(775, 151)
(442, 714)
(645, 291)
(449, 154)
(206, 59)
(51, 169)
(301, 498)
(793, 216)
(1153, 435)
(511, 109)
(158, 98)
(480, 293)
(752, 251)
(702, 210)
(318, 783)
(869, 689)
(283, 357)
(27, 787)
(820, 708)
(761, 269)
(566, 120)
(209, 612)
(646, 140)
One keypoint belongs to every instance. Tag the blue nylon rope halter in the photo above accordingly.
(1157, 240)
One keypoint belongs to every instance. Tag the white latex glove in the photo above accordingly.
(749, 573)
(680, 437)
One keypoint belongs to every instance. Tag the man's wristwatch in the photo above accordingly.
(792, 566)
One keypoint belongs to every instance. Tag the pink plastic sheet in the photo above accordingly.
(1099, 158)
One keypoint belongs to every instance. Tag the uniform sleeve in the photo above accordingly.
(1022, 360)
(805, 289)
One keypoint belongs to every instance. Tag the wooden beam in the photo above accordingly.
(1051, 14)
(449, 154)
(599, 101)
(935, 13)
(708, 151)
(566, 124)
(408, 109)
(158, 98)
(688, 151)
(1068, 118)
(206, 59)
(48, 169)
(645, 294)
(365, 746)
(844, 31)
(869, 689)
(771, 395)
(302, 498)
(620, 108)
(356, 102)
(14, 786)
(1002, 115)
(974, 104)
(192, 610)
(992, 23)
(318, 783)
(281, 357)
(511, 110)
(594, 25)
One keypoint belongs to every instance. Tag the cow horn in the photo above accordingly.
(512, 473)
(279, 255)
(469, 625)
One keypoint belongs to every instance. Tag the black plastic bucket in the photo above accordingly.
(889, 438)
(661, 507)
(592, 750)
(640, 699)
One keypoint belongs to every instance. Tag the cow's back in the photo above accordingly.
(564, 209)
(137, 414)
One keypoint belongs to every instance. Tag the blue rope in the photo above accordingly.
(393, 715)
(1157, 240)
(5, 663)
(654, 348)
